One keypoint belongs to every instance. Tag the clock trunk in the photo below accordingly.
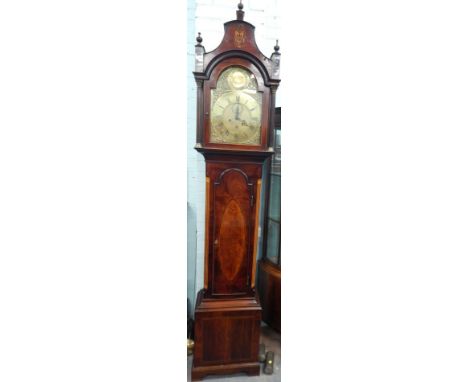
(232, 206)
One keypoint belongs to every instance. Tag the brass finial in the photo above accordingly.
(276, 47)
(240, 12)
(199, 39)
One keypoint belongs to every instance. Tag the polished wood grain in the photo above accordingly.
(255, 240)
(249, 368)
(207, 227)
(226, 336)
(234, 201)
(228, 311)
(269, 291)
(232, 195)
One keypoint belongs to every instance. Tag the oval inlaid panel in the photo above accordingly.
(232, 240)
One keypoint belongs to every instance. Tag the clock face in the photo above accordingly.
(236, 108)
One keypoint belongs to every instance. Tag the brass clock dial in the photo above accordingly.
(236, 108)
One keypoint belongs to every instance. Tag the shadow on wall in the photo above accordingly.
(191, 256)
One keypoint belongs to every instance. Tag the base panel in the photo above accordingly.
(227, 336)
(251, 369)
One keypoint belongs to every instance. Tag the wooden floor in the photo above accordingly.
(272, 341)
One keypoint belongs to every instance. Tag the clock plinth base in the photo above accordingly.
(251, 369)
(227, 336)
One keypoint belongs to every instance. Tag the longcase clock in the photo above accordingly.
(236, 87)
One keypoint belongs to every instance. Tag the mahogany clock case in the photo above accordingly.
(227, 311)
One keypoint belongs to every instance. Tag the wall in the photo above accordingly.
(208, 17)
(193, 175)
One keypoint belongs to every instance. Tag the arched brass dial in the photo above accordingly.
(236, 108)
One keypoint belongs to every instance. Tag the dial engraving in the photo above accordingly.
(236, 108)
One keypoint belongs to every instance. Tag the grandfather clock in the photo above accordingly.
(236, 87)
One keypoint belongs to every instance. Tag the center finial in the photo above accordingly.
(240, 12)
